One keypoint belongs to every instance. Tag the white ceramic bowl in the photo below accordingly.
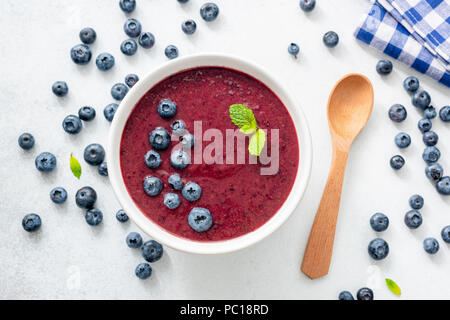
(175, 66)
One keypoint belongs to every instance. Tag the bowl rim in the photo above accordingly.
(190, 62)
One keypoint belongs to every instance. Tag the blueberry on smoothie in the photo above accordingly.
(445, 234)
(378, 249)
(119, 91)
(307, 5)
(81, 54)
(110, 111)
(379, 222)
(134, 240)
(171, 51)
(330, 39)
(293, 49)
(364, 294)
(94, 154)
(413, 219)
(189, 26)
(121, 216)
(159, 139)
(128, 47)
(86, 113)
(152, 159)
(191, 191)
(397, 113)
(131, 80)
(45, 162)
(103, 169)
(434, 171)
(72, 124)
(60, 88)
(58, 195)
(345, 295)
(143, 271)
(431, 245)
(146, 40)
(94, 217)
(411, 84)
(175, 181)
(444, 114)
(384, 67)
(431, 154)
(127, 6)
(430, 112)
(171, 201)
(179, 159)
(397, 162)
(402, 140)
(416, 201)
(200, 219)
(421, 99)
(152, 186)
(209, 11)
(187, 141)
(152, 251)
(430, 138)
(167, 109)
(424, 125)
(31, 222)
(132, 28)
(443, 185)
(85, 197)
(26, 141)
(88, 35)
(178, 127)
(104, 61)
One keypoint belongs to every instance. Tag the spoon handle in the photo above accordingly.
(317, 257)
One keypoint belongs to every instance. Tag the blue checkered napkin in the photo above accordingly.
(387, 30)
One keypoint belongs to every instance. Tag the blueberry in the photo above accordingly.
(88, 35)
(189, 26)
(152, 251)
(104, 61)
(179, 159)
(402, 140)
(431, 154)
(58, 195)
(146, 40)
(397, 162)
(26, 141)
(121, 216)
(209, 11)
(421, 99)
(81, 54)
(293, 49)
(152, 159)
(397, 113)
(430, 138)
(178, 127)
(431, 245)
(129, 47)
(152, 186)
(434, 171)
(72, 124)
(424, 125)
(119, 91)
(330, 39)
(379, 222)
(134, 240)
(200, 219)
(378, 249)
(110, 111)
(60, 88)
(31, 222)
(45, 162)
(411, 84)
(167, 109)
(345, 295)
(183, 1)
(416, 202)
(430, 112)
(384, 67)
(94, 154)
(171, 52)
(93, 216)
(171, 201)
(445, 234)
(187, 141)
(103, 169)
(444, 114)
(127, 6)
(307, 5)
(86, 113)
(143, 271)
(413, 219)
(191, 191)
(132, 28)
(364, 294)
(86, 197)
(175, 181)
(131, 80)
(159, 139)
(443, 185)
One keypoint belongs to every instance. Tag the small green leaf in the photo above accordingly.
(257, 142)
(242, 116)
(248, 129)
(75, 166)
(393, 287)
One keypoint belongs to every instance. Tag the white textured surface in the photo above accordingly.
(36, 38)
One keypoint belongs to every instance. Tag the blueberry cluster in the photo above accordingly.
(362, 294)
(151, 251)
(378, 248)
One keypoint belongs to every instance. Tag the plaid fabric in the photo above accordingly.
(416, 32)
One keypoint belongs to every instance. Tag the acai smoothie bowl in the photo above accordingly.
(209, 154)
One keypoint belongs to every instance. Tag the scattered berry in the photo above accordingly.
(431, 154)
(26, 141)
(81, 54)
(171, 52)
(131, 80)
(110, 111)
(132, 28)
(127, 6)
(104, 61)
(179, 159)
(364, 294)
(397, 162)
(430, 138)
(60, 88)
(200, 219)
(397, 113)
(445, 234)
(430, 112)
(86, 197)
(293, 49)
(411, 84)
(431, 245)
(143, 271)
(345, 295)
(45, 162)
(159, 139)
(94, 154)
(434, 171)
(191, 191)
(384, 67)
(134, 240)
(31, 222)
(424, 125)
(88, 35)
(119, 91)
(72, 124)
(444, 114)
(152, 186)
(443, 185)
(330, 39)
(187, 141)
(128, 47)
(413, 219)
(307, 5)
(189, 26)
(93, 216)
(379, 222)
(103, 169)
(209, 11)
(171, 201)
(416, 202)
(86, 113)
(152, 159)
(421, 99)
(178, 127)
(121, 216)
(146, 40)
(58, 195)
(378, 249)
(402, 140)
(152, 251)
(175, 181)
(167, 109)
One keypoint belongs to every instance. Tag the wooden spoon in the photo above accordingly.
(349, 108)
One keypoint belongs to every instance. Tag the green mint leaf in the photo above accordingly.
(257, 142)
(242, 116)
(75, 166)
(393, 287)
(248, 129)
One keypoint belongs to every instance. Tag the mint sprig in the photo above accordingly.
(395, 289)
(243, 117)
(75, 166)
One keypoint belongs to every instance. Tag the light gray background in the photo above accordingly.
(69, 259)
